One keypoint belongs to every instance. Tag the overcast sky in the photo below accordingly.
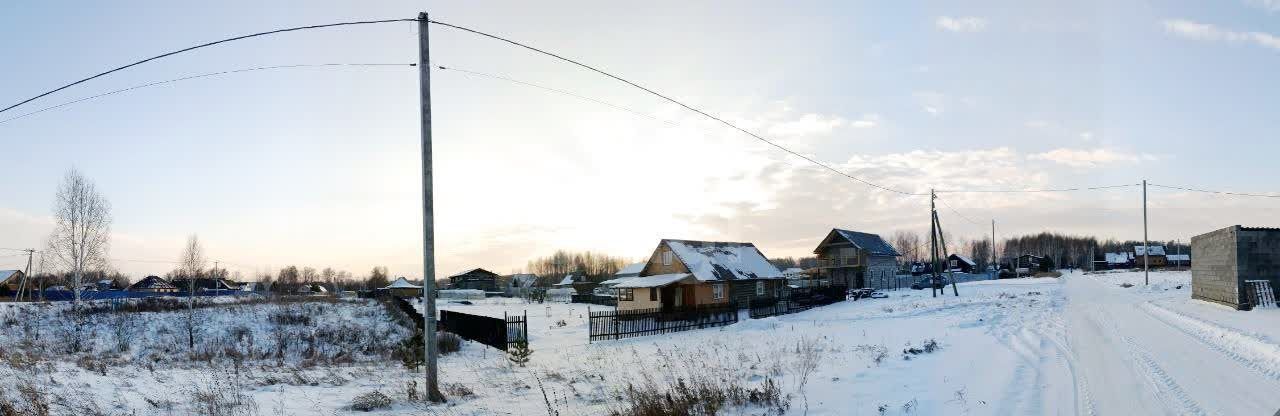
(319, 166)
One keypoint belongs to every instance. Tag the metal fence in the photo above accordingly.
(797, 300)
(615, 324)
(499, 333)
(595, 299)
(1258, 293)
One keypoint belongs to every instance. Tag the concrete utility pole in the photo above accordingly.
(933, 244)
(25, 274)
(1146, 244)
(428, 216)
(995, 264)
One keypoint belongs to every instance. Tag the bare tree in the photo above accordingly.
(191, 264)
(82, 228)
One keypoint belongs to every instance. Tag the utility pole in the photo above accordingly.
(1146, 244)
(933, 243)
(23, 284)
(995, 264)
(945, 256)
(428, 216)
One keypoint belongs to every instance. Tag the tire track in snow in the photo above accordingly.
(1250, 352)
(1164, 384)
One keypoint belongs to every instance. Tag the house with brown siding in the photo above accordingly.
(685, 273)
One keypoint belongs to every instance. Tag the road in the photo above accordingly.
(1130, 357)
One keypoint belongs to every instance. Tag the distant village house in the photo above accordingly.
(477, 278)
(684, 274)
(851, 258)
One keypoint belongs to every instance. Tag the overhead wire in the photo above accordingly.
(1209, 191)
(191, 77)
(203, 45)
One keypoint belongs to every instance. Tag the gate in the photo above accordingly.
(1259, 293)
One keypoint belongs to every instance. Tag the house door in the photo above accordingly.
(689, 298)
(668, 295)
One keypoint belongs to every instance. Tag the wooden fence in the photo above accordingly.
(500, 333)
(614, 324)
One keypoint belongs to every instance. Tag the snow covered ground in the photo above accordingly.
(1080, 344)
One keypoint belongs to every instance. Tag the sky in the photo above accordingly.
(319, 166)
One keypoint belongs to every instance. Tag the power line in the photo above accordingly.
(1091, 188)
(677, 102)
(558, 91)
(965, 217)
(191, 77)
(202, 46)
(1208, 191)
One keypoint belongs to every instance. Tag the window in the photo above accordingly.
(626, 294)
(717, 292)
(653, 294)
(759, 288)
(666, 258)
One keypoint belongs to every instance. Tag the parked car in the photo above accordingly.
(878, 295)
(924, 283)
(856, 294)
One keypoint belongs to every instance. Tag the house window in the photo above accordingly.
(666, 258)
(653, 294)
(717, 292)
(626, 294)
(759, 288)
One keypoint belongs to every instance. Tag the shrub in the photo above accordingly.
(519, 353)
(701, 395)
(370, 401)
(448, 342)
(290, 317)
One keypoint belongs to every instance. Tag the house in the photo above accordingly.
(798, 277)
(253, 287)
(1119, 260)
(632, 270)
(311, 289)
(475, 279)
(1178, 260)
(851, 258)
(685, 273)
(403, 289)
(153, 284)
(1155, 257)
(1233, 264)
(204, 284)
(10, 281)
(961, 264)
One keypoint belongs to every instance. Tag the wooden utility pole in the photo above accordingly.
(22, 286)
(946, 257)
(428, 216)
(1146, 244)
(995, 264)
(933, 243)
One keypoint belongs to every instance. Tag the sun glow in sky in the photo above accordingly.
(319, 166)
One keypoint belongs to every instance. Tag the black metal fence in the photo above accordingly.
(614, 324)
(797, 300)
(595, 299)
(499, 333)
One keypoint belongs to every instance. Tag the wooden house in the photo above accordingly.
(10, 281)
(961, 264)
(475, 279)
(403, 289)
(851, 258)
(685, 274)
(153, 284)
(1156, 257)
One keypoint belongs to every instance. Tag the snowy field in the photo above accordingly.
(1080, 344)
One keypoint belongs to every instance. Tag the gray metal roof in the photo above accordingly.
(872, 243)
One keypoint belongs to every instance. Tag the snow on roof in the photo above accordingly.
(402, 283)
(1155, 250)
(468, 271)
(6, 274)
(656, 281)
(615, 281)
(793, 270)
(523, 279)
(723, 261)
(631, 270)
(964, 259)
(1179, 257)
(1117, 258)
(872, 243)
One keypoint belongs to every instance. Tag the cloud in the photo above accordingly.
(1210, 33)
(931, 102)
(867, 121)
(806, 125)
(961, 24)
(1080, 158)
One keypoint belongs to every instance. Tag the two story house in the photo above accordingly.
(851, 258)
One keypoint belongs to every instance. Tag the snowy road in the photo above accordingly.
(1133, 356)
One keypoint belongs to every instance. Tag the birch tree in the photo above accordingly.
(82, 228)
